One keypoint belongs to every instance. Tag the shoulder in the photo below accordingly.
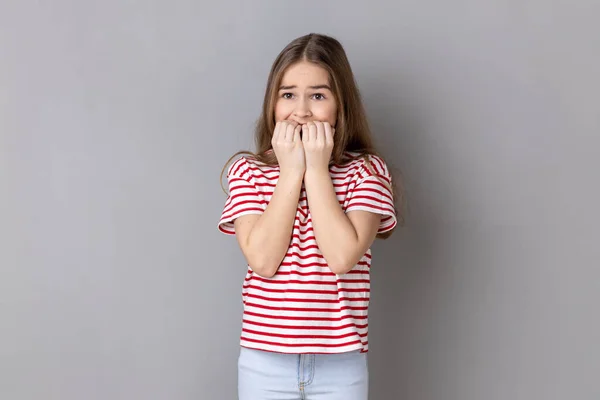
(238, 166)
(249, 165)
(369, 165)
(379, 165)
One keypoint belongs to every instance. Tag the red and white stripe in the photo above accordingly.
(306, 308)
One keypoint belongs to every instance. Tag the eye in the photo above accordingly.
(287, 95)
(319, 96)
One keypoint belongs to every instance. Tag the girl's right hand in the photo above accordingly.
(287, 145)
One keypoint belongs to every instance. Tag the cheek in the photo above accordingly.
(281, 112)
(328, 112)
(333, 118)
(277, 112)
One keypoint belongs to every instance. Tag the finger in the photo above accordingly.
(276, 131)
(289, 135)
(305, 134)
(328, 132)
(297, 138)
(283, 130)
(312, 131)
(320, 132)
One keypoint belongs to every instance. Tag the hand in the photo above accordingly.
(288, 147)
(317, 138)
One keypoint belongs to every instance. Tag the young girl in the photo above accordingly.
(305, 210)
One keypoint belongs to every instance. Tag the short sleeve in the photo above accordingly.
(373, 193)
(244, 197)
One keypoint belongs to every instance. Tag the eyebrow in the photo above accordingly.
(310, 87)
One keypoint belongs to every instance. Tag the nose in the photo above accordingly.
(302, 110)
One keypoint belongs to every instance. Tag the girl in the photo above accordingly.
(305, 210)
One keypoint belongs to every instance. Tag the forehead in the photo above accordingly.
(305, 73)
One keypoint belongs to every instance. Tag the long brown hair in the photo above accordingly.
(352, 131)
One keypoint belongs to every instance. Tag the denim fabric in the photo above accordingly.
(266, 375)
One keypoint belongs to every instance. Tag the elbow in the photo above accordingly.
(341, 266)
(263, 268)
(340, 269)
(263, 263)
(264, 272)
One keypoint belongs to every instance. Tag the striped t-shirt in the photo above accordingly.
(304, 307)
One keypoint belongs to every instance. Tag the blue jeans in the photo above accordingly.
(266, 375)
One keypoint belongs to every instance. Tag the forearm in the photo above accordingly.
(270, 235)
(335, 235)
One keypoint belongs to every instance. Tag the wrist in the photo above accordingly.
(293, 174)
(316, 171)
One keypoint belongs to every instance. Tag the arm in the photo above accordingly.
(265, 238)
(342, 238)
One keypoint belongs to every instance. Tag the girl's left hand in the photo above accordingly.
(317, 139)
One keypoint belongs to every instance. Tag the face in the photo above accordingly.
(305, 95)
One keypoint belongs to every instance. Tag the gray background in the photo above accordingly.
(117, 116)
